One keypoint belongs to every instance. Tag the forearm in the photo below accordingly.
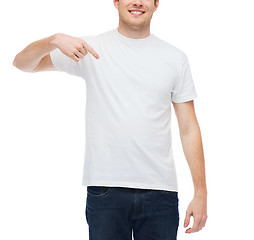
(193, 151)
(29, 58)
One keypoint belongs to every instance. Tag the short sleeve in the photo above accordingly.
(185, 89)
(66, 64)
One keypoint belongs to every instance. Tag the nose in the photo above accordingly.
(138, 2)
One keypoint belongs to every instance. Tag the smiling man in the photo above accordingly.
(132, 77)
(136, 17)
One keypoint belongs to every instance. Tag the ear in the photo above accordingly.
(116, 2)
(156, 5)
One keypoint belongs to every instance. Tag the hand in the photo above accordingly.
(73, 47)
(198, 209)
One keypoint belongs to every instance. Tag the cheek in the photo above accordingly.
(149, 14)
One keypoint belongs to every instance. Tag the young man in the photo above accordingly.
(132, 77)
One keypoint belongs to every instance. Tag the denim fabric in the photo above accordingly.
(118, 213)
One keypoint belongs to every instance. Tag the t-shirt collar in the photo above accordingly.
(132, 40)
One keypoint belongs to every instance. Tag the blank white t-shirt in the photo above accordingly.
(128, 108)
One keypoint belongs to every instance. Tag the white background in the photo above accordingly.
(42, 116)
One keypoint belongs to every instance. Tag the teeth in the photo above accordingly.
(137, 12)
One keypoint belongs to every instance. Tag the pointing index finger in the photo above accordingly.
(91, 50)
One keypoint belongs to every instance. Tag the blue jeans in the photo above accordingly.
(115, 213)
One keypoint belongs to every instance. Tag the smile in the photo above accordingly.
(136, 13)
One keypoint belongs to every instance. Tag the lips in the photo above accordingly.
(139, 11)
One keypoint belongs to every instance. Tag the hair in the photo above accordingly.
(154, 1)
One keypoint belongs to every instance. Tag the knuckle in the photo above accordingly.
(87, 46)
(80, 47)
(70, 54)
(83, 46)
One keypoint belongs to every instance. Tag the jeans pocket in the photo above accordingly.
(98, 191)
(171, 194)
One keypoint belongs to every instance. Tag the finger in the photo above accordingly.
(79, 54)
(195, 226)
(187, 218)
(83, 51)
(75, 58)
(91, 50)
(202, 222)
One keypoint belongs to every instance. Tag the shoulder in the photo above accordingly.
(174, 50)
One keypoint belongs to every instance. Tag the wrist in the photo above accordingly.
(200, 193)
(52, 41)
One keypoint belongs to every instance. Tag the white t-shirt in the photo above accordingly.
(128, 108)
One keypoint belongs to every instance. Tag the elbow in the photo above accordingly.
(15, 62)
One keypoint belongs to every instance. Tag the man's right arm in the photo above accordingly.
(36, 56)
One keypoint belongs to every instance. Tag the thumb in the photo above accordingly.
(187, 218)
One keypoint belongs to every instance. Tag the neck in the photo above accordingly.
(133, 32)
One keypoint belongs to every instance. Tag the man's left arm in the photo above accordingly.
(193, 150)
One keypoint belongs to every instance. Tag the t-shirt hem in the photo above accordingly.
(186, 99)
(132, 185)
